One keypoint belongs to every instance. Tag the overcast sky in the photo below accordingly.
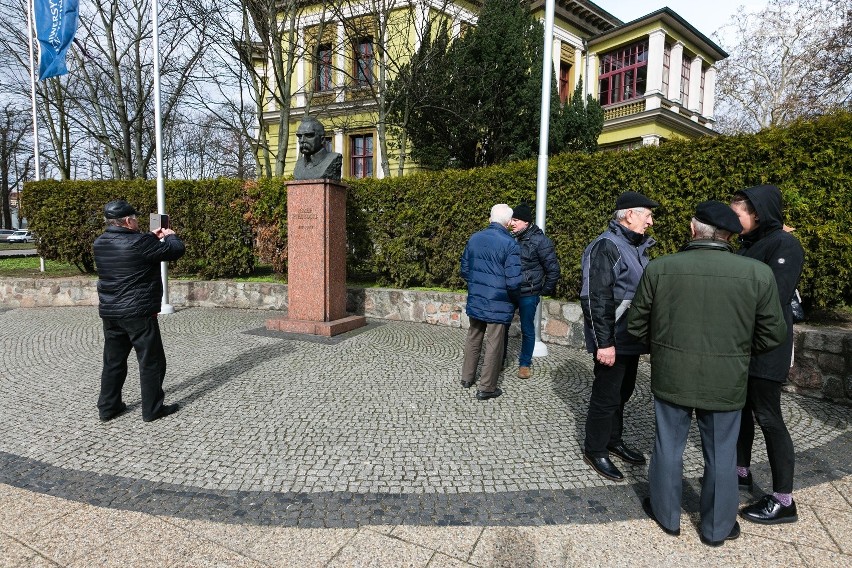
(705, 16)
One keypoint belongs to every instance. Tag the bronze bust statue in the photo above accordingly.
(315, 162)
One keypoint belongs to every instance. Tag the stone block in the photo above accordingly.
(805, 373)
(831, 364)
(824, 340)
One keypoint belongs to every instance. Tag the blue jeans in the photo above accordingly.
(526, 311)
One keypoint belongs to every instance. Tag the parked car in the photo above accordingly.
(5, 233)
(21, 237)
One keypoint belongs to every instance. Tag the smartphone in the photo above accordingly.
(159, 221)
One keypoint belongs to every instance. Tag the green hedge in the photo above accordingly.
(410, 231)
(208, 216)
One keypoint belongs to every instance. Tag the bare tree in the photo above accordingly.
(381, 37)
(16, 157)
(791, 60)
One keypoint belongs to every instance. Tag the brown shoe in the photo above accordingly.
(523, 372)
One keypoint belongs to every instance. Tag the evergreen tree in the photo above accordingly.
(580, 123)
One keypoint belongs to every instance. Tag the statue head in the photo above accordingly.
(310, 135)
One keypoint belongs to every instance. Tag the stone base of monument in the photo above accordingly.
(316, 259)
(323, 328)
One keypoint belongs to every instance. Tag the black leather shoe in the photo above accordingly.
(646, 506)
(467, 384)
(604, 467)
(114, 414)
(165, 410)
(625, 453)
(482, 395)
(733, 535)
(768, 511)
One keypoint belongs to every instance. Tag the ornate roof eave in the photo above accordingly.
(670, 18)
(584, 15)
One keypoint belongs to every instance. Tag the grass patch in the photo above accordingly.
(29, 267)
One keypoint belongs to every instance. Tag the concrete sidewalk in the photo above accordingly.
(360, 450)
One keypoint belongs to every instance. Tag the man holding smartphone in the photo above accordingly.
(130, 292)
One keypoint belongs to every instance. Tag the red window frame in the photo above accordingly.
(364, 58)
(685, 67)
(622, 74)
(361, 155)
(564, 81)
(322, 80)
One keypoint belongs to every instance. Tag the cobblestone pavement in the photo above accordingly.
(370, 428)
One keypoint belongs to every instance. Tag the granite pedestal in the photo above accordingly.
(316, 249)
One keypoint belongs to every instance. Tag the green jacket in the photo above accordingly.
(705, 311)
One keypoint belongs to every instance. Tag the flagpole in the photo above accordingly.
(36, 151)
(30, 33)
(540, 349)
(166, 307)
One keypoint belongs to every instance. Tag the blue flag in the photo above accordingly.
(56, 24)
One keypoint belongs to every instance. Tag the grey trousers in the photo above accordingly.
(719, 493)
(494, 336)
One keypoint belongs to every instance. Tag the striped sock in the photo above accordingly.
(742, 471)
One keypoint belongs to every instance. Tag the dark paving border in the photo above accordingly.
(616, 502)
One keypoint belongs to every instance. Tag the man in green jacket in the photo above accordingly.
(704, 311)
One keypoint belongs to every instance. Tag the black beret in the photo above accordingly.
(631, 199)
(119, 209)
(719, 215)
(523, 212)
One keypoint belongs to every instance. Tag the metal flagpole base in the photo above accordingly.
(167, 309)
(540, 349)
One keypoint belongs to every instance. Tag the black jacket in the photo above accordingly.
(772, 245)
(128, 263)
(539, 265)
(612, 266)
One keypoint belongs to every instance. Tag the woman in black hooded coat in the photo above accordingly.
(764, 238)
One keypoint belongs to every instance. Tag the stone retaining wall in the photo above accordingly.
(823, 356)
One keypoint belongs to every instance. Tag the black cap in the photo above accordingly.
(119, 209)
(631, 199)
(719, 215)
(523, 212)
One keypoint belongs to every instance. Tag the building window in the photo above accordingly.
(364, 58)
(564, 81)
(326, 143)
(323, 75)
(361, 155)
(623, 74)
(667, 63)
(685, 66)
(701, 94)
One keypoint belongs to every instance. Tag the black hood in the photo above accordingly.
(766, 200)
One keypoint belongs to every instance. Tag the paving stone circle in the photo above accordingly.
(371, 427)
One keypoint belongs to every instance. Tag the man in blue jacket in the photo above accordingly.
(130, 292)
(491, 265)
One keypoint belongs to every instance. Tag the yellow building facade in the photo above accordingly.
(654, 76)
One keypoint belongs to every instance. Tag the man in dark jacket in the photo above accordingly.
(491, 265)
(703, 311)
(763, 238)
(612, 265)
(130, 292)
(540, 270)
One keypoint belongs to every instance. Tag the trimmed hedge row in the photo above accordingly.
(410, 231)
(208, 216)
